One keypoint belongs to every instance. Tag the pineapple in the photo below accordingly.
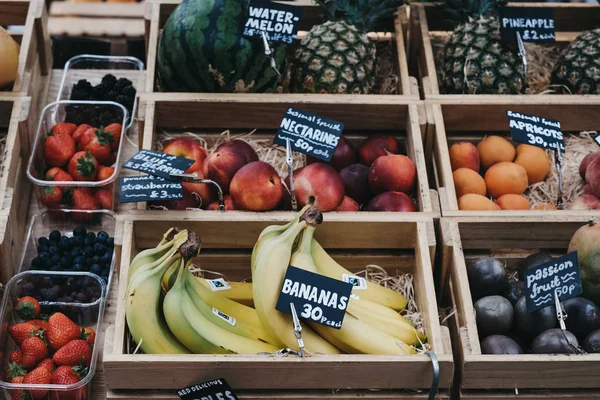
(577, 71)
(475, 60)
(337, 56)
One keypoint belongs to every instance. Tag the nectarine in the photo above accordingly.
(239, 146)
(188, 148)
(222, 165)
(256, 187)
(343, 155)
(319, 184)
(393, 173)
(586, 161)
(392, 201)
(348, 205)
(376, 146)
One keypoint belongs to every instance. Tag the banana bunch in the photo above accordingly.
(372, 324)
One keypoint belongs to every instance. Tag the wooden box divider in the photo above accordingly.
(227, 243)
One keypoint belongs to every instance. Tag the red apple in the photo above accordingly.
(256, 187)
(393, 173)
(239, 146)
(392, 201)
(356, 183)
(587, 189)
(189, 200)
(348, 205)
(227, 202)
(592, 176)
(222, 165)
(320, 185)
(344, 155)
(587, 160)
(206, 191)
(376, 146)
(188, 148)
(585, 202)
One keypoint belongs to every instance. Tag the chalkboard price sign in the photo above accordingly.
(148, 188)
(279, 22)
(536, 131)
(158, 164)
(532, 23)
(217, 389)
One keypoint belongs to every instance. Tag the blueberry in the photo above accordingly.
(89, 262)
(110, 242)
(53, 250)
(79, 260)
(44, 293)
(46, 282)
(68, 299)
(55, 267)
(91, 235)
(96, 269)
(99, 249)
(78, 268)
(88, 251)
(102, 237)
(65, 263)
(90, 242)
(107, 258)
(76, 252)
(79, 241)
(81, 297)
(43, 241)
(29, 289)
(55, 236)
(55, 258)
(37, 263)
(65, 243)
(44, 254)
(43, 248)
(79, 231)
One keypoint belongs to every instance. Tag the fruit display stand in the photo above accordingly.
(15, 189)
(471, 121)
(227, 243)
(528, 376)
(157, 13)
(428, 29)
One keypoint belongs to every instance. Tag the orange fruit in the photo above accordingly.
(495, 149)
(464, 155)
(476, 202)
(545, 207)
(535, 161)
(505, 178)
(513, 202)
(468, 181)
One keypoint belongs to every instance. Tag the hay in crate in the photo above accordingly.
(3, 137)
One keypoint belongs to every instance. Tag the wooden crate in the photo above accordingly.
(509, 240)
(470, 120)
(427, 21)
(210, 115)
(157, 13)
(227, 242)
(15, 188)
(530, 395)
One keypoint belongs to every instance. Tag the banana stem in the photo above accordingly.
(191, 247)
(312, 216)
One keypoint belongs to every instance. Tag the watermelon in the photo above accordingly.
(202, 49)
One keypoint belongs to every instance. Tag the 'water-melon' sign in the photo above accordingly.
(278, 21)
(148, 188)
(309, 133)
(217, 389)
(536, 131)
(534, 24)
(561, 275)
(317, 298)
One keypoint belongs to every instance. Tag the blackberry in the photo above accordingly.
(111, 95)
(122, 83)
(109, 81)
(106, 118)
(99, 92)
(129, 91)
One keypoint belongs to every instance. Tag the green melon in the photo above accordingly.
(586, 241)
(202, 49)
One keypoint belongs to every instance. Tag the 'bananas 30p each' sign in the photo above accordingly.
(217, 389)
(317, 298)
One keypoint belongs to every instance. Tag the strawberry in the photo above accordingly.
(64, 128)
(115, 129)
(28, 307)
(58, 149)
(15, 357)
(58, 175)
(79, 132)
(67, 375)
(61, 330)
(83, 166)
(83, 200)
(51, 196)
(74, 353)
(88, 335)
(14, 369)
(39, 376)
(18, 394)
(104, 198)
(47, 363)
(104, 173)
(97, 142)
(34, 350)
(22, 331)
(40, 324)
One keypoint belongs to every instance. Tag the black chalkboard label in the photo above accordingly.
(158, 164)
(597, 140)
(309, 133)
(561, 275)
(217, 389)
(533, 23)
(278, 21)
(317, 298)
(148, 188)
(536, 131)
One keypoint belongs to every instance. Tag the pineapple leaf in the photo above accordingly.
(459, 11)
(366, 15)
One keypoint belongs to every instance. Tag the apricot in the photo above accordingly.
(468, 181)
(476, 202)
(545, 207)
(513, 202)
(464, 155)
(535, 161)
(495, 149)
(505, 178)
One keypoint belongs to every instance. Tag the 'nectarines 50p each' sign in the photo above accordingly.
(148, 188)
(317, 298)
(159, 164)
(561, 275)
(309, 133)
(536, 131)
(217, 389)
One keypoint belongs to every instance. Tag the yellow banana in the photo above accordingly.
(240, 292)
(272, 261)
(149, 255)
(374, 292)
(168, 279)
